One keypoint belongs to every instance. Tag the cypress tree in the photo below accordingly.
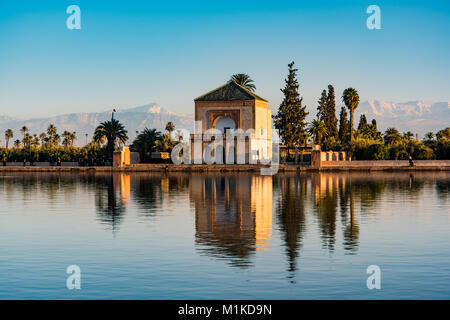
(374, 124)
(362, 122)
(344, 126)
(322, 107)
(330, 119)
(290, 119)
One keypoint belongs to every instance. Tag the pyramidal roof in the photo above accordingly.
(230, 91)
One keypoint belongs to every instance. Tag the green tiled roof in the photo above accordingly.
(230, 91)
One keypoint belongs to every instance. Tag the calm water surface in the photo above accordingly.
(156, 236)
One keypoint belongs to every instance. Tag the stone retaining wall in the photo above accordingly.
(386, 163)
(426, 165)
(40, 164)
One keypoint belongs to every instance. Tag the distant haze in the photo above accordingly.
(134, 119)
(415, 116)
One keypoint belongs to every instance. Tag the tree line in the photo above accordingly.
(52, 147)
(326, 130)
(364, 143)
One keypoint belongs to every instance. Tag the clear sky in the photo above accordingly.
(130, 53)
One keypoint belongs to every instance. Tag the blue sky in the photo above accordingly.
(130, 53)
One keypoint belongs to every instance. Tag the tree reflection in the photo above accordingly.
(111, 195)
(443, 189)
(325, 191)
(348, 217)
(49, 186)
(291, 216)
(152, 189)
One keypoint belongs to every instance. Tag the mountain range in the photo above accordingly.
(134, 119)
(415, 116)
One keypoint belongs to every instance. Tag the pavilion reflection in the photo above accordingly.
(233, 215)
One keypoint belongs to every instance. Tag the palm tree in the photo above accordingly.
(318, 130)
(27, 140)
(170, 127)
(66, 138)
(17, 143)
(146, 142)
(53, 137)
(351, 99)
(243, 80)
(36, 141)
(408, 135)
(24, 130)
(166, 144)
(429, 136)
(8, 135)
(112, 130)
(56, 139)
(391, 136)
(101, 141)
(43, 138)
(51, 130)
(69, 138)
(443, 134)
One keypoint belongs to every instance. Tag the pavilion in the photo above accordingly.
(234, 112)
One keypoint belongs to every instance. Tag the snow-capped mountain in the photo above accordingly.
(415, 116)
(135, 119)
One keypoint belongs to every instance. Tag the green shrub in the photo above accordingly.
(424, 153)
(51, 154)
(378, 151)
(368, 149)
(331, 144)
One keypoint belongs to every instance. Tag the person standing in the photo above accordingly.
(411, 162)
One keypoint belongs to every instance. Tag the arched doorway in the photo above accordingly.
(224, 124)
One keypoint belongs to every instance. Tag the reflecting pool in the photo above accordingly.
(225, 236)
